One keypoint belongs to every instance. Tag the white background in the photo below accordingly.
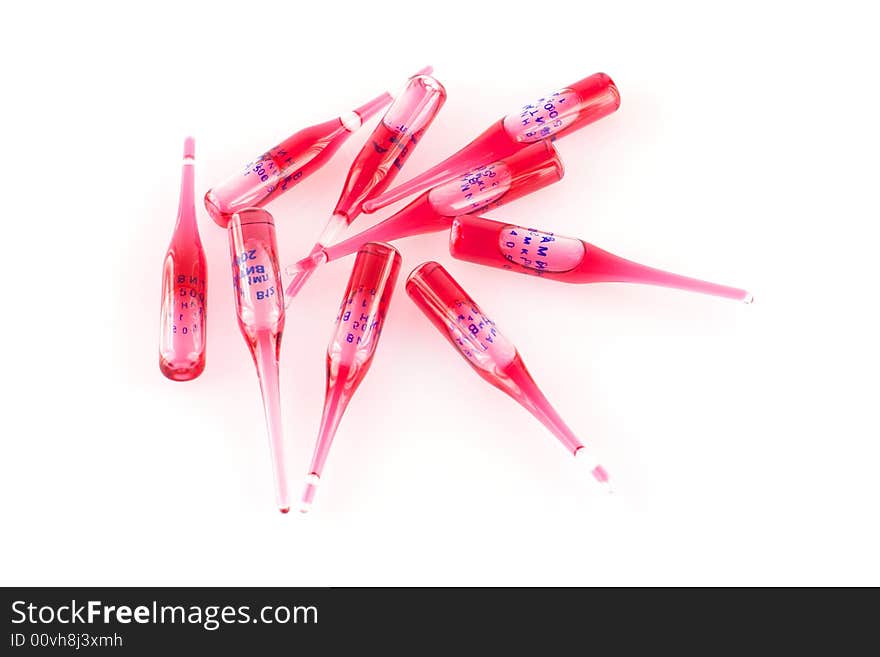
(743, 441)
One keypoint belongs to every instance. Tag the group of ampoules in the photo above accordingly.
(512, 158)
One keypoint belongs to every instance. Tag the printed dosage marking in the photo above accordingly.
(264, 169)
(543, 118)
(397, 140)
(539, 251)
(355, 317)
(189, 305)
(475, 183)
(477, 337)
(474, 190)
(252, 273)
(285, 162)
(270, 169)
(401, 141)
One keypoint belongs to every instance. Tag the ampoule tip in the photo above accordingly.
(189, 148)
(308, 496)
(749, 298)
(600, 474)
(284, 509)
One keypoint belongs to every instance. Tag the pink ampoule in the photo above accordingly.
(547, 255)
(182, 320)
(259, 305)
(381, 158)
(359, 324)
(488, 352)
(284, 166)
(482, 189)
(548, 118)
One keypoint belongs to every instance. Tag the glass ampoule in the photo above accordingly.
(183, 318)
(559, 258)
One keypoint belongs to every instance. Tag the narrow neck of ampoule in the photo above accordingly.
(337, 396)
(333, 228)
(186, 205)
(600, 266)
(417, 218)
(520, 385)
(339, 392)
(527, 393)
(265, 351)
